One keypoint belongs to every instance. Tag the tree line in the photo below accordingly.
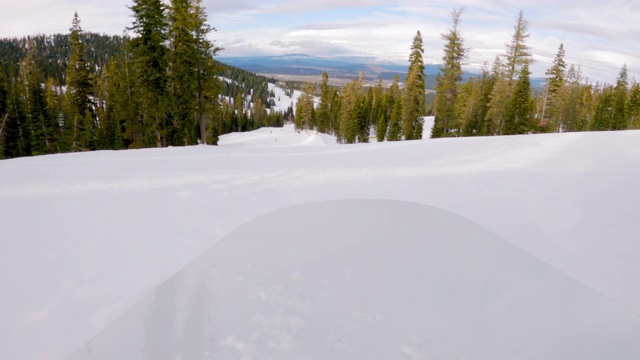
(498, 101)
(162, 87)
(159, 87)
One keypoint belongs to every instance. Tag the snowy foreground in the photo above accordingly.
(522, 247)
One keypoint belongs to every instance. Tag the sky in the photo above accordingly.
(600, 36)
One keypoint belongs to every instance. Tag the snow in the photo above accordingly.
(483, 248)
(283, 101)
(284, 136)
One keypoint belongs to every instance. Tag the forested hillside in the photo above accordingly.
(161, 86)
(85, 91)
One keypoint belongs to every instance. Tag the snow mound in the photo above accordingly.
(365, 279)
(270, 136)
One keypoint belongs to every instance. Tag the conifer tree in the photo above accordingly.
(351, 104)
(520, 111)
(634, 106)
(4, 109)
(569, 108)
(475, 116)
(305, 108)
(499, 99)
(446, 123)
(413, 104)
(182, 57)
(149, 56)
(324, 109)
(555, 82)
(208, 86)
(603, 117)
(518, 52)
(16, 134)
(395, 123)
(619, 115)
(80, 124)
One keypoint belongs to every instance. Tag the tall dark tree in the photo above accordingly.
(620, 116)
(520, 111)
(182, 58)
(413, 104)
(324, 109)
(446, 123)
(518, 54)
(207, 85)
(80, 119)
(149, 55)
(555, 81)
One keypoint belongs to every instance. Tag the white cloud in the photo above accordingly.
(588, 28)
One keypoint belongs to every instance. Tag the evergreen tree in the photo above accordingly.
(182, 58)
(80, 124)
(569, 109)
(634, 107)
(619, 116)
(520, 111)
(208, 86)
(149, 57)
(446, 121)
(475, 116)
(305, 108)
(555, 82)
(499, 100)
(603, 117)
(16, 135)
(413, 104)
(324, 109)
(4, 108)
(518, 53)
(395, 123)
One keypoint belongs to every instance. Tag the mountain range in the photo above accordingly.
(342, 67)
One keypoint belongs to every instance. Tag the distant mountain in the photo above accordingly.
(343, 67)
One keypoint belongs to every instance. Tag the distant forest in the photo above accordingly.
(162, 86)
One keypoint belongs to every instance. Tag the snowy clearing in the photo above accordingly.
(93, 240)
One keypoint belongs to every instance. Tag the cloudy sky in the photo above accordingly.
(601, 36)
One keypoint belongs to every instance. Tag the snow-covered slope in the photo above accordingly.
(284, 136)
(85, 237)
(385, 280)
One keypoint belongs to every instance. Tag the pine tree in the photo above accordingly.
(351, 104)
(81, 124)
(555, 82)
(603, 117)
(520, 111)
(395, 123)
(634, 106)
(4, 109)
(305, 108)
(446, 121)
(324, 109)
(16, 136)
(499, 100)
(619, 116)
(475, 117)
(149, 56)
(182, 57)
(413, 104)
(518, 53)
(208, 86)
